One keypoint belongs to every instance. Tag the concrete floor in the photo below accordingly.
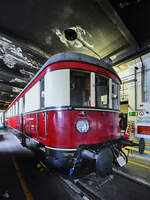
(21, 179)
(131, 182)
(138, 167)
(117, 188)
(19, 176)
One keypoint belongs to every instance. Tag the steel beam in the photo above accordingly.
(5, 92)
(8, 74)
(10, 84)
(6, 99)
(28, 47)
(115, 18)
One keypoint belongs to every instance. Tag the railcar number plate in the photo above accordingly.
(121, 161)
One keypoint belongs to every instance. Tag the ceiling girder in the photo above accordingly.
(131, 54)
(121, 49)
(12, 84)
(29, 49)
(13, 75)
(6, 99)
(8, 91)
(115, 18)
(3, 106)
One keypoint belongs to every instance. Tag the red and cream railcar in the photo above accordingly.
(71, 109)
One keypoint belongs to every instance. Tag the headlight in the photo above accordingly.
(82, 126)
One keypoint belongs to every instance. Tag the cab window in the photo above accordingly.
(115, 92)
(102, 91)
(79, 88)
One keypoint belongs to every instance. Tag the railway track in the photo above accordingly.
(79, 190)
(116, 186)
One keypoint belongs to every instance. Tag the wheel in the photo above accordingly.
(141, 145)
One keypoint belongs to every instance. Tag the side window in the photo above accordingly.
(102, 91)
(42, 92)
(115, 92)
(16, 107)
(27, 102)
(32, 98)
(20, 105)
(57, 88)
(13, 110)
(23, 100)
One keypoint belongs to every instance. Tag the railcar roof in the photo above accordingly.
(72, 56)
(78, 57)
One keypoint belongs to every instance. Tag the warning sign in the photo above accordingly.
(141, 113)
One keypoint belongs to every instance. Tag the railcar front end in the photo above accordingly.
(71, 109)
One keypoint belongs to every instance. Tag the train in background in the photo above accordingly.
(70, 111)
(142, 123)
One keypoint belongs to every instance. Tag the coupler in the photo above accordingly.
(103, 159)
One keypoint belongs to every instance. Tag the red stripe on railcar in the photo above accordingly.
(61, 127)
(104, 126)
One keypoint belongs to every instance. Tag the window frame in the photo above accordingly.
(42, 105)
(117, 97)
(93, 90)
(107, 78)
(90, 86)
(32, 98)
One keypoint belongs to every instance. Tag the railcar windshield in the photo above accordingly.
(92, 89)
(79, 88)
(102, 91)
(115, 95)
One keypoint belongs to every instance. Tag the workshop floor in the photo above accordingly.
(21, 179)
(19, 176)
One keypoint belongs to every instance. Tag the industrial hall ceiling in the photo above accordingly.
(33, 30)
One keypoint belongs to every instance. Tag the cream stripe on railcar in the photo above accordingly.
(57, 88)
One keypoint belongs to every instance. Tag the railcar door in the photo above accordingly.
(42, 122)
(42, 115)
(1, 119)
